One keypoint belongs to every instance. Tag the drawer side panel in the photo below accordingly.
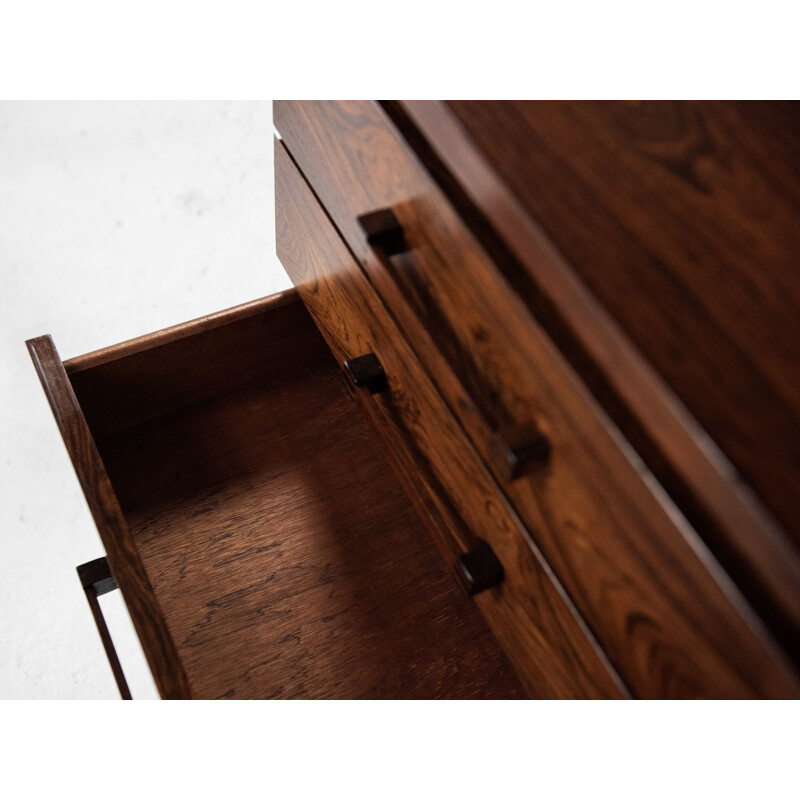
(123, 556)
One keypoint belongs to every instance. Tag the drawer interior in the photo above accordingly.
(286, 558)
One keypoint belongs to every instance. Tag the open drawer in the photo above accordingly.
(261, 542)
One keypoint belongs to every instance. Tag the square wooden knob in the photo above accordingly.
(481, 568)
(384, 231)
(366, 371)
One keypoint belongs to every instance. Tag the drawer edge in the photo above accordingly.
(175, 332)
(123, 557)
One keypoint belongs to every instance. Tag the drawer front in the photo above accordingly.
(592, 172)
(549, 646)
(470, 167)
(669, 619)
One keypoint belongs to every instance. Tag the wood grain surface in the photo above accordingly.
(669, 619)
(684, 219)
(132, 382)
(550, 647)
(746, 538)
(286, 558)
(123, 555)
(177, 332)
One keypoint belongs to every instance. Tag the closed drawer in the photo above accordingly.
(548, 644)
(262, 544)
(669, 619)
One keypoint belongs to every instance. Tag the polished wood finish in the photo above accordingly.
(517, 449)
(177, 332)
(123, 555)
(732, 521)
(669, 619)
(131, 383)
(550, 647)
(285, 556)
(561, 338)
(683, 218)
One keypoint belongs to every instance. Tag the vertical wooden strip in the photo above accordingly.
(108, 644)
(123, 557)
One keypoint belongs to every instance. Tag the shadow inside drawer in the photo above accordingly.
(286, 558)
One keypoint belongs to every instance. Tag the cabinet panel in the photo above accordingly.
(550, 647)
(667, 616)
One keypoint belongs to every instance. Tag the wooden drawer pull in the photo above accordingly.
(384, 232)
(96, 579)
(481, 568)
(515, 450)
(519, 450)
(367, 372)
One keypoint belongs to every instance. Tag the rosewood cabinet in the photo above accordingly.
(527, 426)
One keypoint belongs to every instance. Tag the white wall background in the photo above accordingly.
(116, 219)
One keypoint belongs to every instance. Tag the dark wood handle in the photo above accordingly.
(367, 371)
(515, 449)
(96, 579)
(480, 568)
